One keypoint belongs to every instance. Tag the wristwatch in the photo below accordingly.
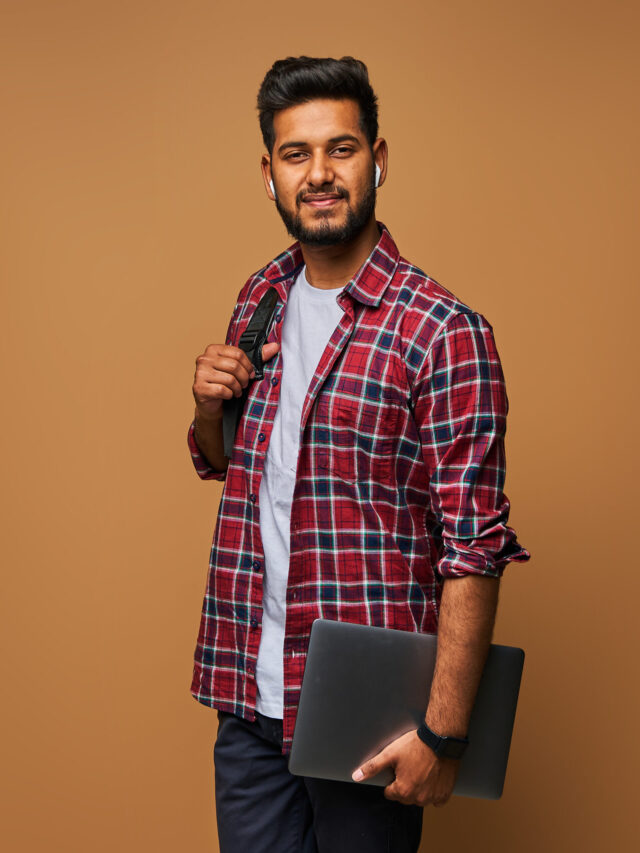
(444, 747)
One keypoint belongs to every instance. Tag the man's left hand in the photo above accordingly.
(421, 779)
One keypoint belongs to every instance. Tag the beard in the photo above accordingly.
(324, 233)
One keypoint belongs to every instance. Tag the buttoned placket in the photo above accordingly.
(271, 396)
(334, 348)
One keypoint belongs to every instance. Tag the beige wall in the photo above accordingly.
(132, 212)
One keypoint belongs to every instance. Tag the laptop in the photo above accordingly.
(364, 686)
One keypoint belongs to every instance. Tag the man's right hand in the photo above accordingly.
(222, 372)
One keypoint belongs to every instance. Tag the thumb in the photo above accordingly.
(373, 766)
(269, 350)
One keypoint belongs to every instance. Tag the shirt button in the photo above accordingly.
(261, 436)
(274, 380)
(250, 667)
(254, 622)
(278, 317)
(252, 498)
(256, 565)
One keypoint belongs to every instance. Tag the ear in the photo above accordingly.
(265, 165)
(381, 158)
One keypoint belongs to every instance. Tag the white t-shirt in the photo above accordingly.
(310, 319)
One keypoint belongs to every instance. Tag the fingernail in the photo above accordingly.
(357, 775)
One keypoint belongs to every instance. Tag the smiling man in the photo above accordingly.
(325, 212)
(364, 485)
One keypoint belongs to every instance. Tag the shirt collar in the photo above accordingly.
(368, 284)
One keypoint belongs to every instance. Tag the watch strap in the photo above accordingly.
(443, 746)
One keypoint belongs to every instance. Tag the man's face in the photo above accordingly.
(323, 171)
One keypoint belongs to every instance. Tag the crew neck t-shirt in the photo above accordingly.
(310, 319)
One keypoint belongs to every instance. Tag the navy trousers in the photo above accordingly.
(262, 808)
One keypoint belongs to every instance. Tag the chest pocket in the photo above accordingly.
(361, 438)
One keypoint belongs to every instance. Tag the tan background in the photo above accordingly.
(132, 212)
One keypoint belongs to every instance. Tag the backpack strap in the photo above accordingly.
(251, 342)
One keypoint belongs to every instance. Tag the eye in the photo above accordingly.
(296, 155)
(342, 150)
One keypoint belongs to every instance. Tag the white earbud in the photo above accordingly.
(377, 175)
(273, 189)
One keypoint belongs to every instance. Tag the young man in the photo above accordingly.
(365, 483)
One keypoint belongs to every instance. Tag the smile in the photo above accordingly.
(322, 201)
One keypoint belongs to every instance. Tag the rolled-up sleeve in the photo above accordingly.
(461, 409)
(200, 462)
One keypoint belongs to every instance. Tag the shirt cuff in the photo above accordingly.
(200, 462)
(460, 560)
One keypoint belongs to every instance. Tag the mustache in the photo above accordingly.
(339, 191)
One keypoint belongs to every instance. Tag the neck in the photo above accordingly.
(333, 266)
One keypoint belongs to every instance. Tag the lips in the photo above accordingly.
(318, 200)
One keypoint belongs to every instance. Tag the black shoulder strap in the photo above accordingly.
(251, 341)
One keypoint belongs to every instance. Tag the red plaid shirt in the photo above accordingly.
(399, 479)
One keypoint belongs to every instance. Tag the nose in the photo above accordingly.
(320, 171)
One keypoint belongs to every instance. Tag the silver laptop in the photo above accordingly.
(363, 687)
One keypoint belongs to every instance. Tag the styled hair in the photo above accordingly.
(298, 79)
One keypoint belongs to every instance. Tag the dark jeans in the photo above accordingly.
(262, 808)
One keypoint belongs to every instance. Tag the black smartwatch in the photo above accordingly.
(444, 747)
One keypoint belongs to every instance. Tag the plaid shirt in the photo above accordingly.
(399, 478)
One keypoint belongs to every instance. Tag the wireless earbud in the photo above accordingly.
(273, 189)
(377, 175)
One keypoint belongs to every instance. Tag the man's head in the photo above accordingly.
(319, 122)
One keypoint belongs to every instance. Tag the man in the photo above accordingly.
(365, 483)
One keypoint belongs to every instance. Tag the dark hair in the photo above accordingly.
(298, 79)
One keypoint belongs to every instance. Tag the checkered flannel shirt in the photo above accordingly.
(399, 480)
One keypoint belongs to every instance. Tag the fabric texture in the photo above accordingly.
(311, 316)
(261, 807)
(399, 481)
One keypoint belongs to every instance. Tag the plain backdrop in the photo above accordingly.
(132, 211)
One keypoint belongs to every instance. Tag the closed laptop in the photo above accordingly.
(364, 686)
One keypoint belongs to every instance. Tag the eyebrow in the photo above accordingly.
(344, 137)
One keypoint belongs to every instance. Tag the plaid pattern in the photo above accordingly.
(399, 479)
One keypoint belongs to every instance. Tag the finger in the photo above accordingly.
(233, 366)
(214, 392)
(218, 377)
(391, 792)
(374, 765)
(401, 792)
(207, 385)
(214, 369)
(238, 355)
(269, 350)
